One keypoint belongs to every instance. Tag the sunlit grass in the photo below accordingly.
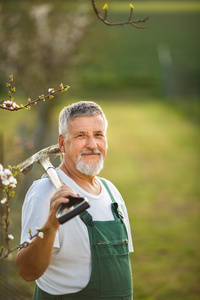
(156, 6)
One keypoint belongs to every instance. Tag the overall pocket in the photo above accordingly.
(115, 269)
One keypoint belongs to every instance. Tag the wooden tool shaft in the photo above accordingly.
(51, 172)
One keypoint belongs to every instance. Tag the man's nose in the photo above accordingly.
(91, 142)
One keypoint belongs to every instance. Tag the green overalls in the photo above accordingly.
(111, 277)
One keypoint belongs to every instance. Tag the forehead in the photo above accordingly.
(87, 123)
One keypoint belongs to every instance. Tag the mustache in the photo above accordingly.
(91, 152)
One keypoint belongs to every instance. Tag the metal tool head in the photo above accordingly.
(27, 165)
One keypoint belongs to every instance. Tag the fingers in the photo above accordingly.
(58, 197)
(63, 192)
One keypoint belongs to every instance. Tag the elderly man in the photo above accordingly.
(86, 258)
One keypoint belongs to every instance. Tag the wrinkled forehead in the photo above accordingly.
(91, 123)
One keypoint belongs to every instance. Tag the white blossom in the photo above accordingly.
(11, 237)
(7, 172)
(29, 241)
(3, 176)
(10, 104)
(12, 185)
(13, 181)
(3, 201)
(7, 103)
(41, 234)
(15, 105)
(5, 182)
(7, 177)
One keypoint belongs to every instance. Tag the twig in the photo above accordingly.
(128, 22)
(21, 246)
(8, 180)
(12, 106)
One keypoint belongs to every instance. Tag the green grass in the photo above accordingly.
(156, 6)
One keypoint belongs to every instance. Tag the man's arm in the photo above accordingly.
(33, 260)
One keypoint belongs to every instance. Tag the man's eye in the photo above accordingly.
(99, 134)
(80, 135)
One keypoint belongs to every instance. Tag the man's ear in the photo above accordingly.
(61, 143)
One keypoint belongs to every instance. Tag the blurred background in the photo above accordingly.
(148, 83)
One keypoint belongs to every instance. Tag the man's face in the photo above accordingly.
(85, 146)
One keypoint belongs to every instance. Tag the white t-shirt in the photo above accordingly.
(70, 267)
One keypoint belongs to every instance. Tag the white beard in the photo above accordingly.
(88, 168)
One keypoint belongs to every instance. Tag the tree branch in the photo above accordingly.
(12, 106)
(128, 22)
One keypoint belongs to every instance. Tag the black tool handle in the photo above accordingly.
(64, 212)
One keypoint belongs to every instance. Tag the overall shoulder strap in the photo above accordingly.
(115, 209)
(86, 218)
(107, 188)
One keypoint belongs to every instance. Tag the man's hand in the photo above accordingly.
(58, 197)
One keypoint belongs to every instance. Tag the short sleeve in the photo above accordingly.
(35, 209)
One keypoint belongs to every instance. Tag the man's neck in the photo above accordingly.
(88, 183)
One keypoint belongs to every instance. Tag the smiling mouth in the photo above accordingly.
(91, 153)
(90, 156)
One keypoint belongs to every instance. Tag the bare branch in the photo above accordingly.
(131, 13)
(128, 22)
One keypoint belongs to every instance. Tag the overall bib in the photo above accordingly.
(111, 277)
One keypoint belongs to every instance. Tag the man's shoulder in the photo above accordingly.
(43, 181)
(110, 185)
(40, 186)
(108, 182)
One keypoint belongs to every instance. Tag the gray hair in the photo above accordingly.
(81, 108)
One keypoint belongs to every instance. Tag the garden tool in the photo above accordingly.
(66, 211)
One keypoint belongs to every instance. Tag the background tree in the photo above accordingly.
(39, 49)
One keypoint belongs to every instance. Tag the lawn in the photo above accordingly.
(156, 6)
